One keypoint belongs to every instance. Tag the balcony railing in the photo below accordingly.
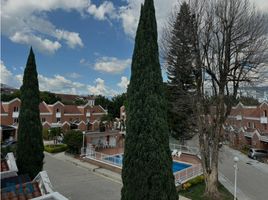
(239, 117)
(58, 115)
(264, 120)
(15, 114)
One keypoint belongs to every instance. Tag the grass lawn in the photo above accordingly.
(196, 192)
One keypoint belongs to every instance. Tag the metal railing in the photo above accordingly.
(187, 174)
(184, 149)
(115, 160)
(180, 176)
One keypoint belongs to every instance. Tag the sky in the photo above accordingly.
(81, 46)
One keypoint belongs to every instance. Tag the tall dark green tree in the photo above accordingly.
(30, 144)
(181, 79)
(147, 165)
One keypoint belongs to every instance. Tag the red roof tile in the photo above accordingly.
(72, 109)
(43, 108)
(4, 166)
(4, 108)
(98, 109)
(23, 191)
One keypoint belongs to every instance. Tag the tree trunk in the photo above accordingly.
(211, 179)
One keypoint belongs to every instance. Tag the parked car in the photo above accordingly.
(257, 153)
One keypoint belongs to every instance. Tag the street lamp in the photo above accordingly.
(84, 133)
(236, 159)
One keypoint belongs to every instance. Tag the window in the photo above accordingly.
(16, 120)
(16, 109)
(249, 124)
(58, 110)
(265, 113)
(43, 119)
(58, 119)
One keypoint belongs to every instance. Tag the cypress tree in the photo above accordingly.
(30, 143)
(147, 165)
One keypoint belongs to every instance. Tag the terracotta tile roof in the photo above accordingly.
(43, 108)
(4, 108)
(98, 109)
(4, 166)
(72, 109)
(14, 180)
(23, 191)
(70, 97)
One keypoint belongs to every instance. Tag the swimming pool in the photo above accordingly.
(117, 160)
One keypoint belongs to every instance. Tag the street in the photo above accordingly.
(78, 183)
(252, 175)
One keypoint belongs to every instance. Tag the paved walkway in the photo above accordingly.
(78, 181)
(106, 174)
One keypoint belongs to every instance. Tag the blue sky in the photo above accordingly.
(81, 46)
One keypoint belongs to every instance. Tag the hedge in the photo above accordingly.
(192, 182)
(55, 148)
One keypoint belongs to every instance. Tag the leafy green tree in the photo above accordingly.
(117, 102)
(80, 101)
(49, 98)
(9, 97)
(147, 165)
(113, 105)
(30, 143)
(54, 133)
(103, 101)
(74, 140)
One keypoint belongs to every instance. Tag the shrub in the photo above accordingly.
(192, 182)
(73, 139)
(245, 149)
(56, 148)
(8, 149)
(45, 134)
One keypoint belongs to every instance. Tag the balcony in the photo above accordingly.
(15, 114)
(88, 114)
(239, 117)
(264, 120)
(58, 115)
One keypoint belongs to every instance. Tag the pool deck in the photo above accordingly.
(111, 151)
(185, 158)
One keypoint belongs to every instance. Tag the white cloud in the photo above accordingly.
(100, 88)
(7, 77)
(129, 14)
(111, 65)
(26, 22)
(74, 75)
(105, 10)
(124, 83)
(82, 61)
(58, 83)
(43, 45)
(72, 39)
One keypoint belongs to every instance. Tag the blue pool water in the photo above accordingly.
(117, 160)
